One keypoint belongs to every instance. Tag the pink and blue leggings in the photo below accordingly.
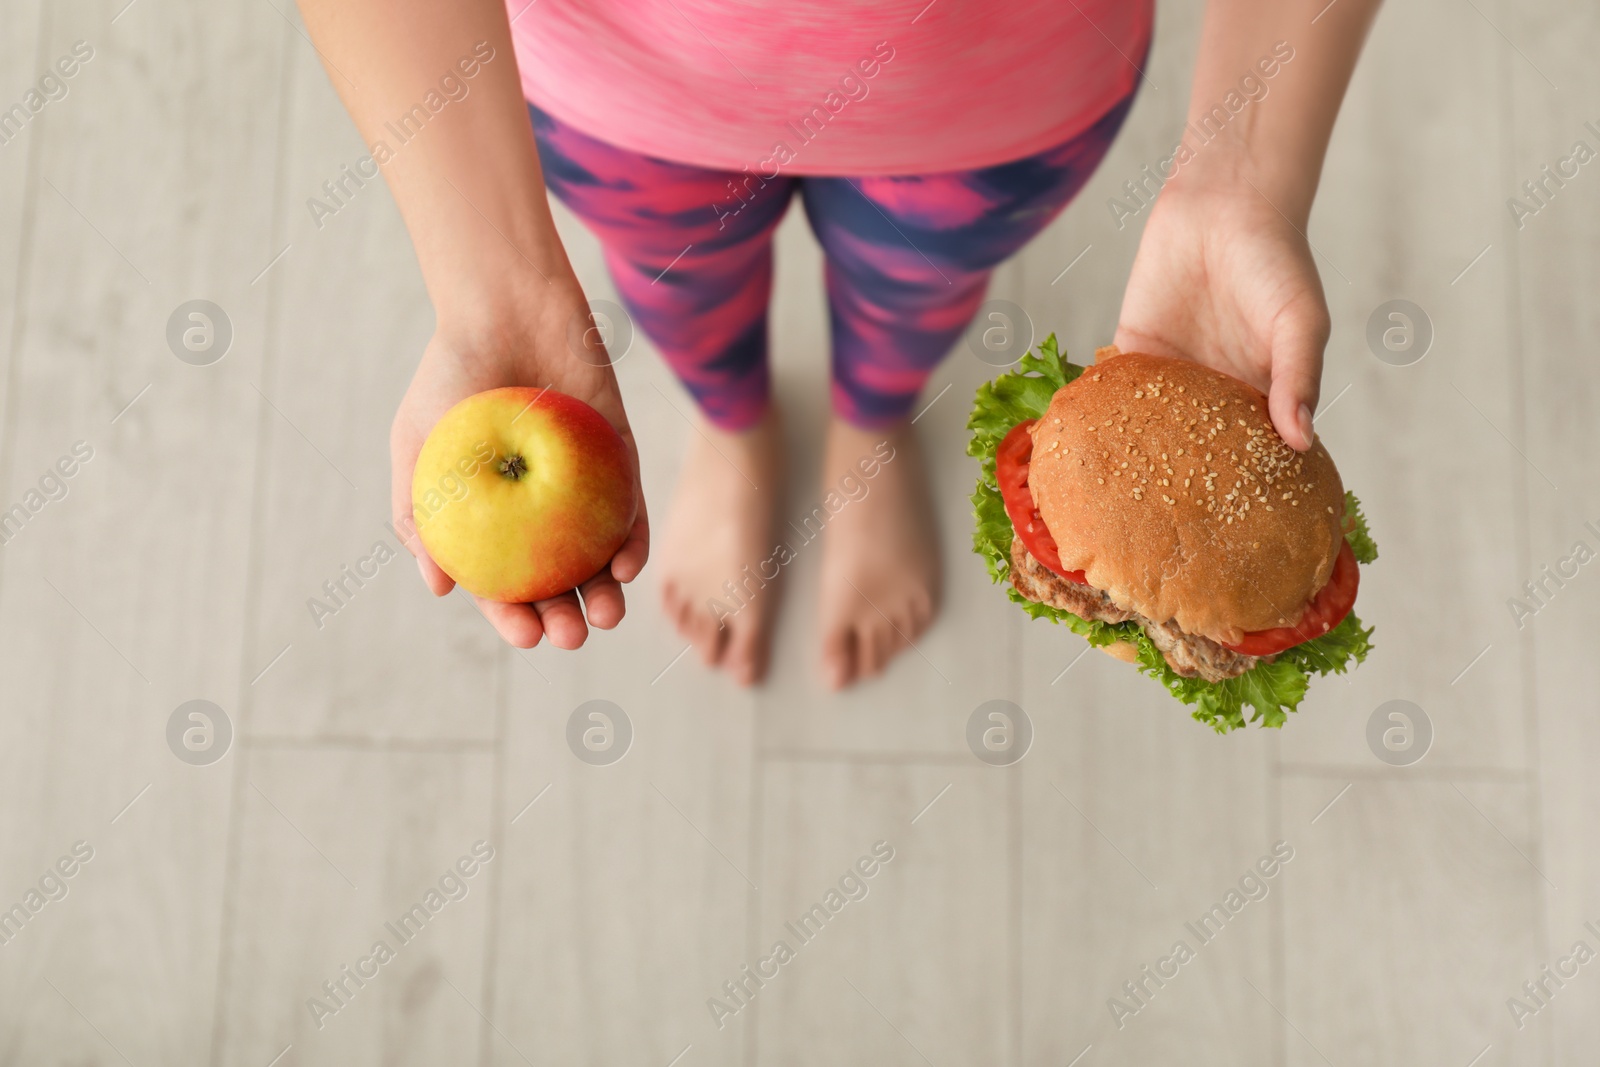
(908, 259)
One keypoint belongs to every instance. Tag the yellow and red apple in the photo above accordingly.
(522, 493)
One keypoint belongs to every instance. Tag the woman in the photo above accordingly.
(928, 141)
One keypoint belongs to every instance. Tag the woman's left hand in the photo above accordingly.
(1223, 278)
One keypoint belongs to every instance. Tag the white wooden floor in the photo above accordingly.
(371, 754)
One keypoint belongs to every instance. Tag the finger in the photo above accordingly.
(603, 602)
(562, 618)
(518, 624)
(405, 444)
(630, 558)
(1297, 346)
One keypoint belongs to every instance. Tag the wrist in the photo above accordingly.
(1220, 175)
(517, 301)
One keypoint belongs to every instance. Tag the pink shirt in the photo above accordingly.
(869, 87)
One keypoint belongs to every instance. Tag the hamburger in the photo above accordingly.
(1148, 503)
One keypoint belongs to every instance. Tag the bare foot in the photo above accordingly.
(880, 557)
(718, 544)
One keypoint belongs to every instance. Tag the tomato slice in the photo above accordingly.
(1328, 609)
(1011, 463)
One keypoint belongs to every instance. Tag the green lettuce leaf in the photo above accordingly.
(1271, 689)
(1355, 530)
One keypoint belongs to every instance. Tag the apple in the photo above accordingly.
(522, 493)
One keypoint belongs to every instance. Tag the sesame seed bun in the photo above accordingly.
(1244, 545)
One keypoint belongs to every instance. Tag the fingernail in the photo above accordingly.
(1305, 424)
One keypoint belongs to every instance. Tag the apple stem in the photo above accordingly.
(513, 467)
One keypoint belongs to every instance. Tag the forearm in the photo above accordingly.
(466, 176)
(1267, 87)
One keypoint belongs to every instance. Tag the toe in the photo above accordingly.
(910, 625)
(839, 656)
(746, 656)
(708, 637)
(677, 608)
(879, 639)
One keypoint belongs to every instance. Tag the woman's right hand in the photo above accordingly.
(526, 347)
(472, 195)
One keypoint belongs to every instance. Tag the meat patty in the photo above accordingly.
(1044, 586)
(1190, 655)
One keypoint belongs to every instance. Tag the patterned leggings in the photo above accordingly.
(908, 259)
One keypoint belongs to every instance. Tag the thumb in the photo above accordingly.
(1297, 345)
(405, 444)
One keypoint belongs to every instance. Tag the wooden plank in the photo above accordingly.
(22, 59)
(122, 600)
(1423, 445)
(913, 962)
(1135, 821)
(374, 656)
(623, 884)
(1411, 914)
(338, 847)
(627, 883)
(1557, 256)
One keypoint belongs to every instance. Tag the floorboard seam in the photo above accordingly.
(253, 579)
